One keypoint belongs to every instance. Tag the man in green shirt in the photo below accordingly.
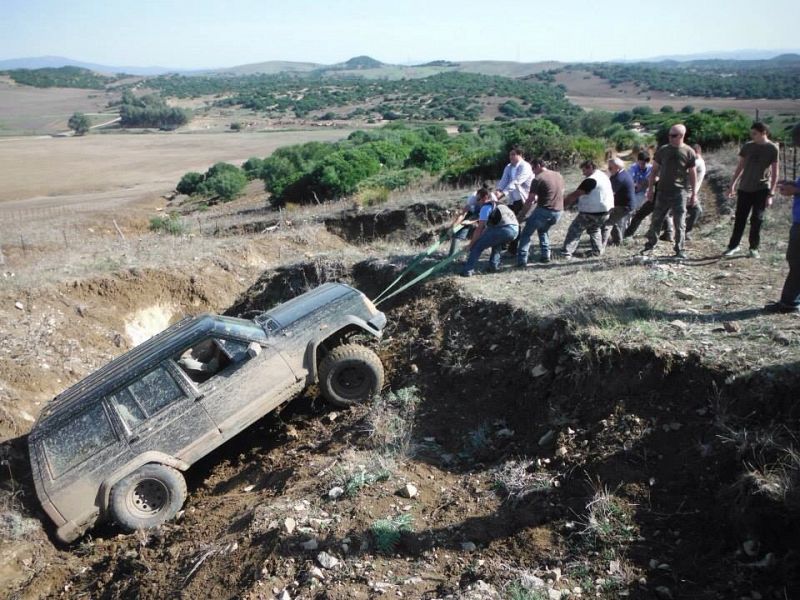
(756, 176)
(674, 166)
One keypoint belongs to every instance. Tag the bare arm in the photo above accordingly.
(736, 175)
(477, 233)
(572, 198)
(692, 172)
(651, 181)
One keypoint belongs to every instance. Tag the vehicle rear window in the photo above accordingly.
(156, 390)
(82, 437)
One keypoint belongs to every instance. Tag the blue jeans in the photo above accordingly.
(494, 238)
(540, 221)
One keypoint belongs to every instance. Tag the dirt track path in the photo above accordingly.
(104, 171)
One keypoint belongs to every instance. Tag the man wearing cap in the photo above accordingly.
(674, 165)
(624, 199)
(790, 296)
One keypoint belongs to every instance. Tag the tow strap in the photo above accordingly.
(385, 295)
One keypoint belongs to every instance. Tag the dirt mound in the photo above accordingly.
(413, 222)
(541, 459)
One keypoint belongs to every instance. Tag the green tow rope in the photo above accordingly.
(417, 260)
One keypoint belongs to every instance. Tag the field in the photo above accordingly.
(591, 92)
(104, 171)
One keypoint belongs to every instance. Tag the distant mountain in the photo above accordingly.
(269, 67)
(42, 62)
(362, 62)
(730, 55)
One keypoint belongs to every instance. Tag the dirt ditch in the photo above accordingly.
(543, 462)
(412, 222)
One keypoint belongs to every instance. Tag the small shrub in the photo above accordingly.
(389, 423)
(387, 532)
(372, 196)
(518, 591)
(236, 126)
(171, 224)
(515, 480)
(608, 521)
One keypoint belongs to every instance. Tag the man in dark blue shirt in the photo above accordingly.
(790, 297)
(624, 201)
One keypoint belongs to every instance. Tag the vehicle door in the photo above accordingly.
(160, 412)
(249, 376)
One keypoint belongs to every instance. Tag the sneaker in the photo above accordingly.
(469, 273)
(754, 254)
(646, 251)
(731, 251)
(780, 307)
(665, 237)
(521, 265)
(544, 259)
(680, 254)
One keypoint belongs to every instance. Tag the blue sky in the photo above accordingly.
(214, 33)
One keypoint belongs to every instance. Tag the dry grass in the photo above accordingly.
(516, 479)
(389, 423)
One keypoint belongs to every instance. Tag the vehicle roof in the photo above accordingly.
(290, 311)
(143, 357)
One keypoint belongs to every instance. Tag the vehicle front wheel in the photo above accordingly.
(147, 497)
(350, 374)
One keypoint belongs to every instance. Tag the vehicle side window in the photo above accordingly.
(128, 409)
(211, 356)
(156, 390)
(78, 439)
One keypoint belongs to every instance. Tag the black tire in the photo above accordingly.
(350, 374)
(147, 497)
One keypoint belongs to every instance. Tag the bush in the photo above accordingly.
(593, 123)
(171, 224)
(189, 182)
(225, 184)
(432, 157)
(252, 167)
(340, 173)
(666, 109)
(236, 126)
(79, 123)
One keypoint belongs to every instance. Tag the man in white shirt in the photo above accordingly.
(515, 184)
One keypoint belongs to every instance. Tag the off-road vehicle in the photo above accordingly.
(113, 446)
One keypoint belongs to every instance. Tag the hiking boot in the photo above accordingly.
(665, 237)
(544, 259)
(646, 251)
(781, 307)
(754, 253)
(730, 251)
(681, 255)
(469, 273)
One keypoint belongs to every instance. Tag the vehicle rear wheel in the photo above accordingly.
(350, 374)
(147, 497)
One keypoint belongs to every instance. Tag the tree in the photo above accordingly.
(431, 156)
(189, 182)
(79, 123)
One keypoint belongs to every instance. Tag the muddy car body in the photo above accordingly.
(113, 446)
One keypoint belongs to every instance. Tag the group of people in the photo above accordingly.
(612, 205)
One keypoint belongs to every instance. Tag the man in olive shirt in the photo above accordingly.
(756, 175)
(547, 192)
(674, 166)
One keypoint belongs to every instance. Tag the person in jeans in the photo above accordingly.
(640, 172)
(547, 192)
(674, 165)
(790, 296)
(497, 225)
(624, 199)
(595, 199)
(695, 211)
(756, 176)
(469, 213)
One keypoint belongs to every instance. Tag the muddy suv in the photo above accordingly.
(112, 447)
